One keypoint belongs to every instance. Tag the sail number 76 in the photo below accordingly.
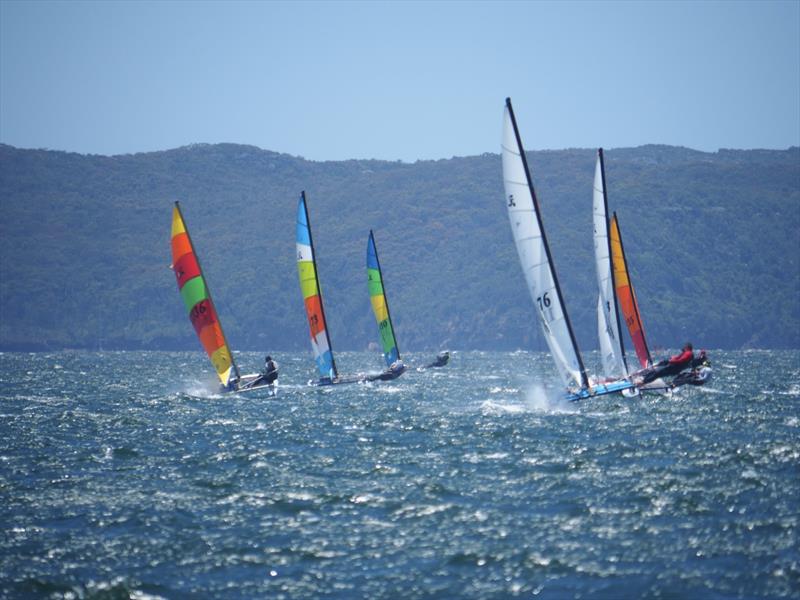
(544, 301)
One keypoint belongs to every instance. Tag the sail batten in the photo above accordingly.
(380, 304)
(535, 258)
(197, 300)
(612, 351)
(312, 294)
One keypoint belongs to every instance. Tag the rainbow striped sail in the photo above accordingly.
(197, 299)
(380, 306)
(312, 296)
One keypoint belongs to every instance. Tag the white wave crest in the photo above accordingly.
(491, 407)
(200, 389)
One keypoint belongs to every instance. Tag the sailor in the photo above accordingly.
(270, 370)
(441, 359)
(673, 365)
(396, 369)
(701, 360)
(397, 366)
(699, 374)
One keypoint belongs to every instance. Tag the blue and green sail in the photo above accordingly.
(380, 306)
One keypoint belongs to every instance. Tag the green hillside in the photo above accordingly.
(712, 241)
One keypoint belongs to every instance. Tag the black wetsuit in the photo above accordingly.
(269, 375)
(674, 365)
(270, 372)
(440, 361)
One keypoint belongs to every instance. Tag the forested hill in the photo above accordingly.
(711, 238)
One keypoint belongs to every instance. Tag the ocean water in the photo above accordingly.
(123, 475)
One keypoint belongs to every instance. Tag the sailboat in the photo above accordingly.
(537, 266)
(202, 313)
(698, 373)
(615, 287)
(312, 298)
(609, 331)
(380, 306)
(629, 305)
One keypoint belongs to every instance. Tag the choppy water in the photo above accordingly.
(120, 476)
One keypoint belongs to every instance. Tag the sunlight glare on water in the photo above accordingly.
(127, 474)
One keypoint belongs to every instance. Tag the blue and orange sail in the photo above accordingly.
(380, 306)
(197, 299)
(312, 295)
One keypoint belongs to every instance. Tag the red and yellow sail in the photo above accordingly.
(626, 296)
(197, 298)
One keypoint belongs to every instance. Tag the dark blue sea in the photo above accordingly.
(124, 475)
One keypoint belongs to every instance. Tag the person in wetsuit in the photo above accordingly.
(671, 366)
(699, 374)
(441, 360)
(270, 374)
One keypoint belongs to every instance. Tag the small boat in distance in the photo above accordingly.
(380, 306)
(202, 312)
(537, 265)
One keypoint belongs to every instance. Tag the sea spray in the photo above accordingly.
(201, 389)
(548, 400)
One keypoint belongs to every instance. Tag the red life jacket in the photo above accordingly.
(683, 357)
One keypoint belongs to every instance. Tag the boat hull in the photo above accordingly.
(601, 389)
(338, 381)
(246, 385)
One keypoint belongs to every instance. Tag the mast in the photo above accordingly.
(208, 289)
(633, 295)
(319, 289)
(385, 295)
(584, 376)
(608, 242)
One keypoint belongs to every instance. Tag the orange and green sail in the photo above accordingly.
(380, 306)
(627, 297)
(197, 299)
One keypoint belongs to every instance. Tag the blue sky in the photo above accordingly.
(408, 81)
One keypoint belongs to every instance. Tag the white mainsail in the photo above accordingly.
(607, 354)
(608, 329)
(534, 255)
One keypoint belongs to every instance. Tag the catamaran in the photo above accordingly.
(614, 283)
(537, 265)
(699, 371)
(380, 306)
(202, 312)
(614, 286)
(312, 297)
